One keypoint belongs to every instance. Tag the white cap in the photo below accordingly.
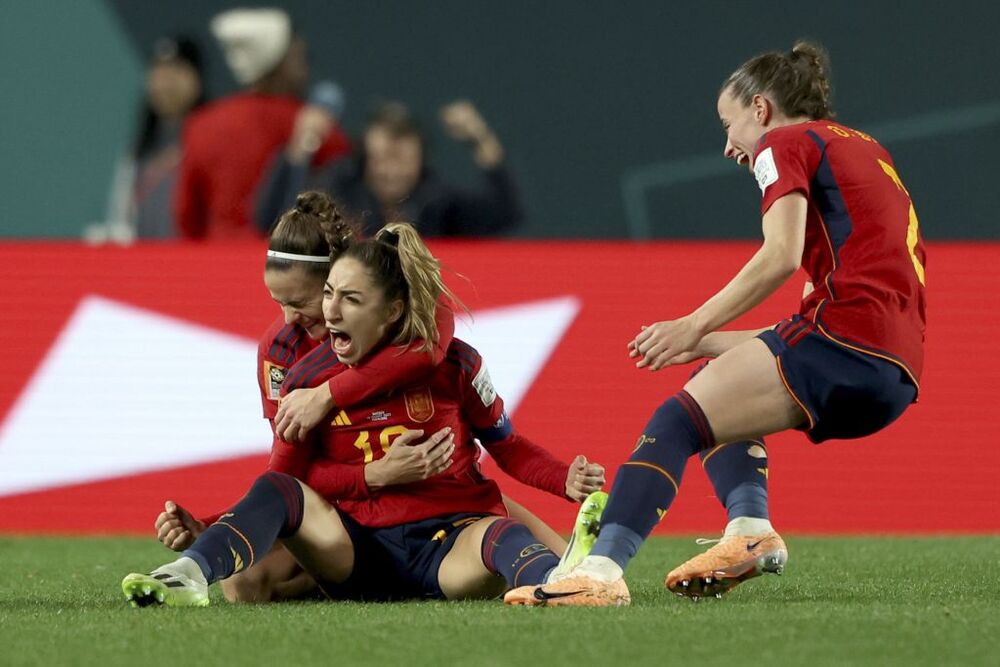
(253, 40)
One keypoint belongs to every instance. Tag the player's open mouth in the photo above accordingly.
(742, 158)
(340, 341)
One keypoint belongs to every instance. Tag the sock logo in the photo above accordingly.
(237, 560)
(530, 549)
(643, 439)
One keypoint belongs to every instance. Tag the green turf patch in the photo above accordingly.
(925, 601)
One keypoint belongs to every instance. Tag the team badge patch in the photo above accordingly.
(765, 169)
(273, 377)
(484, 386)
(419, 404)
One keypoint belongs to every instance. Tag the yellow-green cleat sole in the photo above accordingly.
(144, 590)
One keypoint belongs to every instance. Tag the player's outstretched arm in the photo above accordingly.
(674, 341)
(529, 463)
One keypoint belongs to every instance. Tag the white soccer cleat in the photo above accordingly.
(176, 584)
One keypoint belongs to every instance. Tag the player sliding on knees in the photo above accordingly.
(446, 534)
(846, 366)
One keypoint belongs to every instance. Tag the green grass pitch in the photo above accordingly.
(842, 601)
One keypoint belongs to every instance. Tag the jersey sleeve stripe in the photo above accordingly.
(301, 375)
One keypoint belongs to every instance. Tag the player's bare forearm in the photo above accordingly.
(774, 263)
(756, 281)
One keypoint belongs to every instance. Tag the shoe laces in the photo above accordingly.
(702, 541)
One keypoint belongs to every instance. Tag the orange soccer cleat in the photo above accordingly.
(733, 560)
(576, 591)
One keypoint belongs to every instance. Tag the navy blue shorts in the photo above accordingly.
(398, 562)
(844, 393)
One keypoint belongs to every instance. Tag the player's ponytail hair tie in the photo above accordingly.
(277, 254)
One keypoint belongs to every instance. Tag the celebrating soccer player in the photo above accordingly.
(297, 265)
(441, 533)
(845, 366)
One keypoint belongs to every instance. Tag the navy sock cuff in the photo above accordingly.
(491, 540)
(294, 499)
(749, 500)
(706, 439)
(617, 542)
(206, 569)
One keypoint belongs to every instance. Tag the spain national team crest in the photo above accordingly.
(419, 404)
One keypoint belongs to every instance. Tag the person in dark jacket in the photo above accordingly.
(390, 180)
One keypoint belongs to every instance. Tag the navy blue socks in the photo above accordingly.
(647, 483)
(272, 508)
(738, 471)
(511, 550)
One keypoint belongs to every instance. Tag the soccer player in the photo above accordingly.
(443, 535)
(845, 366)
(298, 262)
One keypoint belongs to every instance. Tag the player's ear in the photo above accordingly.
(395, 310)
(763, 109)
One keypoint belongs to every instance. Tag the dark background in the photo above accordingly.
(608, 113)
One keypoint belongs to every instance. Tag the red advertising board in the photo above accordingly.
(118, 363)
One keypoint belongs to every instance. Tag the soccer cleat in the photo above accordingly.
(732, 561)
(576, 591)
(175, 584)
(585, 531)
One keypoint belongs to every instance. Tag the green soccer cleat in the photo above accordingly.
(585, 532)
(176, 584)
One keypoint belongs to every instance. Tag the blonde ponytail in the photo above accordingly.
(422, 272)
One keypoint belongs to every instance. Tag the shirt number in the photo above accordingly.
(912, 229)
(384, 436)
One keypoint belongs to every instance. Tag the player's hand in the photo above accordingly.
(583, 478)
(300, 411)
(176, 528)
(406, 462)
(666, 343)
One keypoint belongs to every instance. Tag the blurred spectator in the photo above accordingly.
(390, 180)
(228, 144)
(142, 192)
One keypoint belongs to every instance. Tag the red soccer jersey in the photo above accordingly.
(458, 394)
(283, 345)
(279, 348)
(227, 146)
(863, 250)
